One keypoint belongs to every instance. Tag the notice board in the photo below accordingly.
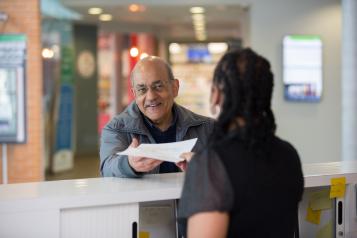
(302, 68)
(12, 88)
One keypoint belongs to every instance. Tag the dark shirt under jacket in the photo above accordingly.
(260, 193)
(164, 137)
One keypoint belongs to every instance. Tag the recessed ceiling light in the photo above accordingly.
(174, 48)
(201, 38)
(196, 10)
(143, 55)
(198, 17)
(134, 52)
(95, 10)
(47, 53)
(199, 27)
(200, 34)
(198, 23)
(217, 47)
(105, 17)
(136, 8)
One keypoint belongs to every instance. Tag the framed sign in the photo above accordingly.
(302, 67)
(12, 88)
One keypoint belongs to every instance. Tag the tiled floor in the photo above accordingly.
(84, 167)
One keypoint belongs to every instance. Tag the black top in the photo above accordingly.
(164, 137)
(260, 193)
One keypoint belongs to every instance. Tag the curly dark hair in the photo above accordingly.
(246, 82)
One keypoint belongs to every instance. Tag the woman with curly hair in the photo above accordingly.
(248, 182)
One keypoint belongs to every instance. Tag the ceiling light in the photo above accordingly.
(47, 53)
(201, 35)
(200, 32)
(217, 47)
(201, 38)
(95, 10)
(199, 28)
(105, 17)
(56, 51)
(198, 17)
(143, 55)
(196, 10)
(198, 23)
(174, 48)
(134, 52)
(136, 8)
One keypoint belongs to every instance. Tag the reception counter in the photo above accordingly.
(113, 207)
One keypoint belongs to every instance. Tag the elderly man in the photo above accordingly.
(154, 117)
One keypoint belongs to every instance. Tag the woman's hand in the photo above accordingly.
(186, 158)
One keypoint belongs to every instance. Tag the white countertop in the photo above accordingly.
(320, 174)
(90, 192)
(107, 191)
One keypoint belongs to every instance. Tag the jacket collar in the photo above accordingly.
(133, 119)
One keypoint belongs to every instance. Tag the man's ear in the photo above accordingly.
(133, 92)
(175, 87)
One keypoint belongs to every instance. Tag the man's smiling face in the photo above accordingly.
(154, 91)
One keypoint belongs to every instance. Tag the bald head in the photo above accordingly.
(148, 63)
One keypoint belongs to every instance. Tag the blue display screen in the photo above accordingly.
(198, 54)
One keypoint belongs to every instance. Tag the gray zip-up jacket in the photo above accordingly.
(118, 133)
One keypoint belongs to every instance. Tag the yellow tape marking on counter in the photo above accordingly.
(144, 234)
(338, 187)
(313, 216)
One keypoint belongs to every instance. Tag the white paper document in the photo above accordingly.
(164, 151)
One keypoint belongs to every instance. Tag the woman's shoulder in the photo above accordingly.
(287, 154)
(283, 145)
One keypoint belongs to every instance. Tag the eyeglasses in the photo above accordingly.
(157, 86)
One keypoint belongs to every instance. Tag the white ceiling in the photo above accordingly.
(169, 19)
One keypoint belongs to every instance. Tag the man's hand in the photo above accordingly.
(142, 164)
(183, 164)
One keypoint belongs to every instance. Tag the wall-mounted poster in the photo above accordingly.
(302, 68)
(12, 88)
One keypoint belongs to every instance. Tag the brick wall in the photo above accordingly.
(25, 161)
